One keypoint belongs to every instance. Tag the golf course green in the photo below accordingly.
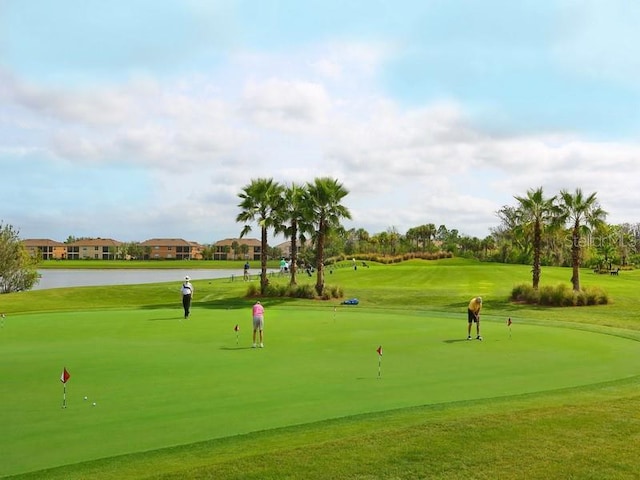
(144, 379)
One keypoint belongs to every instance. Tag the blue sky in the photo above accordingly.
(140, 119)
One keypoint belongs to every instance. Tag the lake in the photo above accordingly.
(60, 278)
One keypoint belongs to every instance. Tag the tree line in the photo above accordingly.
(566, 229)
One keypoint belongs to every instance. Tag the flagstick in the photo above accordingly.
(64, 395)
(236, 337)
(379, 366)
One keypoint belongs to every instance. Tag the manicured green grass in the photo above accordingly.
(310, 404)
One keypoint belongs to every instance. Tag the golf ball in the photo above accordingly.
(85, 398)
(94, 404)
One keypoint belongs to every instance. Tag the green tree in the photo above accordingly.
(580, 213)
(294, 223)
(18, 269)
(323, 200)
(535, 213)
(260, 200)
(511, 237)
(625, 243)
(394, 239)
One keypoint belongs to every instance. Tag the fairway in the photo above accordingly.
(160, 381)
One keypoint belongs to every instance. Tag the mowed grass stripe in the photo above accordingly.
(160, 381)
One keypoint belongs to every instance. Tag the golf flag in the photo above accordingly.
(236, 328)
(64, 377)
(379, 350)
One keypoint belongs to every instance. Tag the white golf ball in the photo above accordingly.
(85, 398)
(94, 404)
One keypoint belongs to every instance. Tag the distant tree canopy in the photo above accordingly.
(17, 268)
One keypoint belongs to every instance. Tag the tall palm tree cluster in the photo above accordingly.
(300, 212)
(536, 213)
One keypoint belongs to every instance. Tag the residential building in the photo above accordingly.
(45, 248)
(285, 247)
(237, 249)
(94, 249)
(171, 249)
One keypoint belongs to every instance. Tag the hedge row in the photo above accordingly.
(559, 296)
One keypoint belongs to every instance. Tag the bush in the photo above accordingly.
(559, 296)
(299, 291)
(304, 291)
(253, 290)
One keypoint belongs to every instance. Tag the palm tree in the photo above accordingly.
(580, 213)
(322, 201)
(535, 213)
(260, 200)
(293, 223)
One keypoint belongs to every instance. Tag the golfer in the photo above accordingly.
(258, 322)
(246, 271)
(473, 316)
(187, 295)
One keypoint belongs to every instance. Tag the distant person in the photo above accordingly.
(246, 270)
(473, 316)
(257, 313)
(355, 264)
(283, 265)
(187, 295)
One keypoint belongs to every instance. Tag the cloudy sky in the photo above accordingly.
(133, 119)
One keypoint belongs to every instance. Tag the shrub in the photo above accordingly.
(253, 290)
(522, 293)
(559, 296)
(546, 295)
(303, 291)
(336, 292)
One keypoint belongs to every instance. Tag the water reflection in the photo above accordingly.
(85, 278)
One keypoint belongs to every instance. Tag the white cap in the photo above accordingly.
(187, 277)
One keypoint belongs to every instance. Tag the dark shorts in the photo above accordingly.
(471, 316)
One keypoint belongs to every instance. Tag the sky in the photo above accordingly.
(139, 119)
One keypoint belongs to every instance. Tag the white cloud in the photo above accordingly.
(291, 106)
(200, 139)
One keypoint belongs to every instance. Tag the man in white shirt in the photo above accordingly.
(187, 295)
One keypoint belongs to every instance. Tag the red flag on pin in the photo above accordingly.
(379, 350)
(65, 376)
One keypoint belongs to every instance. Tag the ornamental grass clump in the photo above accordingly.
(559, 296)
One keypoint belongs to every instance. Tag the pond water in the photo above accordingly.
(85, 278)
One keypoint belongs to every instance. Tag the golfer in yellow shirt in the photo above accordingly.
(473, 315)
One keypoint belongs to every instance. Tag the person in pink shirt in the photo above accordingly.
(258, 322)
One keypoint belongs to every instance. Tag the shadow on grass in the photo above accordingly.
(225, 304)
(179, 318)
